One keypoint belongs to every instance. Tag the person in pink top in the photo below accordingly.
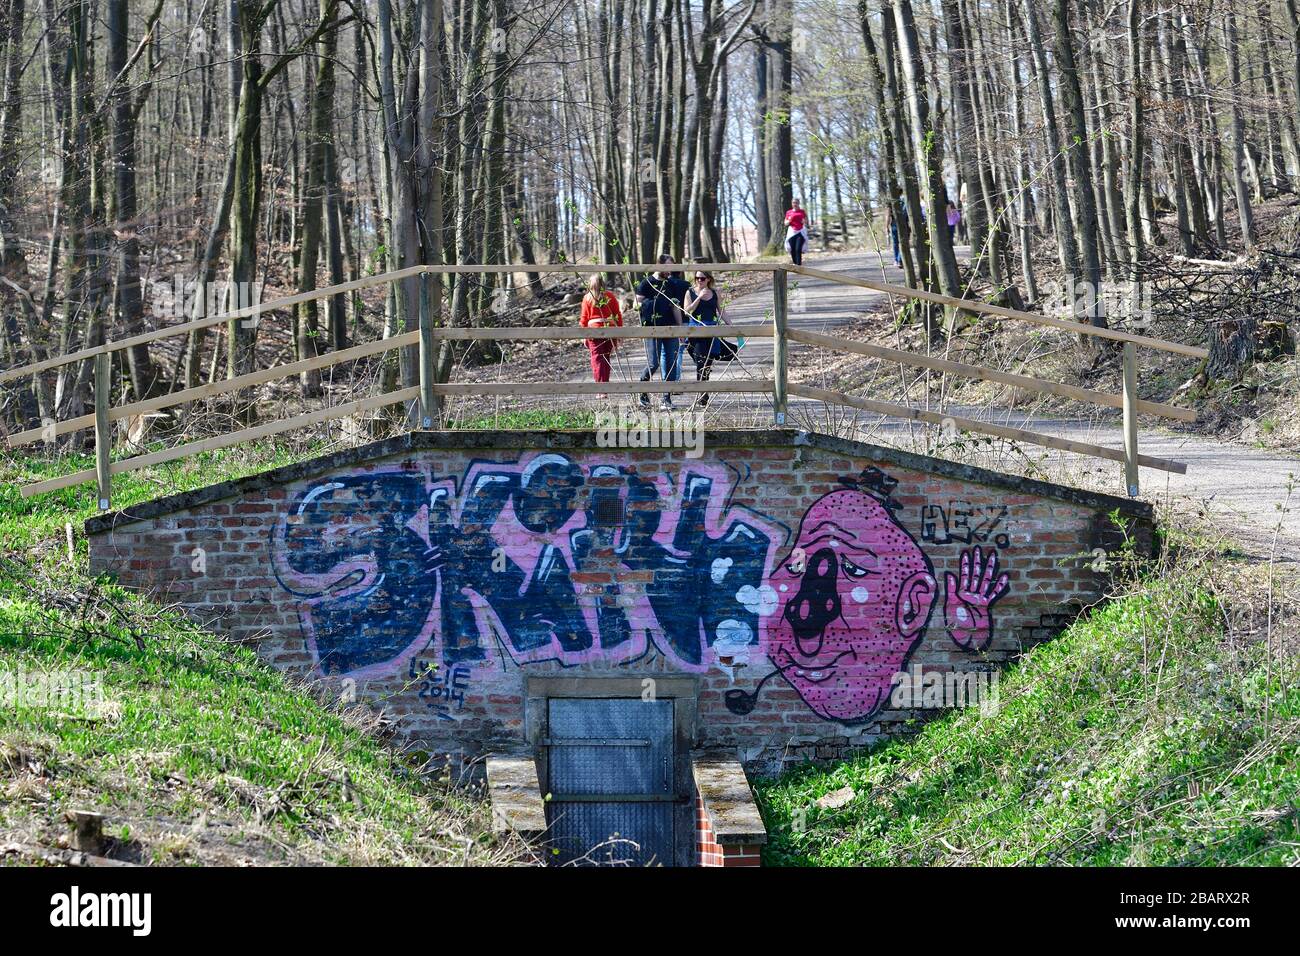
(796, 232)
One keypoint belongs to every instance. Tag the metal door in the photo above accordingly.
(610, 779)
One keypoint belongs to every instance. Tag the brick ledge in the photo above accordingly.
(505, 439)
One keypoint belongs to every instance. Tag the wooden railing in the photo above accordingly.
(427, 393)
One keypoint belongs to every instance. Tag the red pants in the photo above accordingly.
(600, 350)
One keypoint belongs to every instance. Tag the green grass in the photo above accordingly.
(1142, 735)
(26, 521)
(201, 753)
(536, 419)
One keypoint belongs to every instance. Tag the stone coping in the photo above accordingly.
(515, 796)
(585, 439)
(724, 790)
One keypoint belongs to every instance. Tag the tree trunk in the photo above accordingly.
(1136, 137)
(1080, 163)
(15, 293)
(320, 140)
(1237, 136)
(928, 142)
(246, 200)
(890, 144)
(145, 378)
(778, 143)
(964, 148)
(1065, 239)
(219, 229)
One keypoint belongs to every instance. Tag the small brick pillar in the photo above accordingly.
(729, 830)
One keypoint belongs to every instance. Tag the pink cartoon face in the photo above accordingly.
(855, 595)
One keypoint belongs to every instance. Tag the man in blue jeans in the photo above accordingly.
(659, 296)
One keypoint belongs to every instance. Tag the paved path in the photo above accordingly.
(1247, 489)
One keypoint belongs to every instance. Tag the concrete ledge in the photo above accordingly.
(516, 797)
(505, 439)
(729, 802)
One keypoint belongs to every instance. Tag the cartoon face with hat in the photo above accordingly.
(856, 594)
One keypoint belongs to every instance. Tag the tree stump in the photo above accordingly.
(87, 831)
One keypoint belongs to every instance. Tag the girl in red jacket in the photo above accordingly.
(796, 232)
(599, 310)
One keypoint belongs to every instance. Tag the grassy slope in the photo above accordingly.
(203, 754)
(1140, 736)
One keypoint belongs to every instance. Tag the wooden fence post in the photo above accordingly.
(1130, 419)
(427, 354)
(780, 309)
(103, 428)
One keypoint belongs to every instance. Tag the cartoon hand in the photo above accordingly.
(968, 610)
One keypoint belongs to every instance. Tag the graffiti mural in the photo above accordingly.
(442, 689)
(962, 522)
(546, 559)
(856, 595)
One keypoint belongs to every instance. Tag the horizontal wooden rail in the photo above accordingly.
(211, 320)
(742, 386)
(989, 375)
(525, 333)
(548, 333)
(219, 387)
(225, 441)
(987, 428)
(1079, 328)
(364, 282)
(428, 392)
(610, 267)
(584, 268)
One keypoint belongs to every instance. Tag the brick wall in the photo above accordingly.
(711, 853)
(791, 577)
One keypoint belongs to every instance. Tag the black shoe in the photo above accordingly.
(644, 401)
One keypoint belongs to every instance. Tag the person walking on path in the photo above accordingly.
(796, 232)
(600, 309)
(659, 297)
(954, 217)
(704, 306)
(892, 214)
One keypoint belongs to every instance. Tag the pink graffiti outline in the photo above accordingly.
(525, 549)
(640, 614)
